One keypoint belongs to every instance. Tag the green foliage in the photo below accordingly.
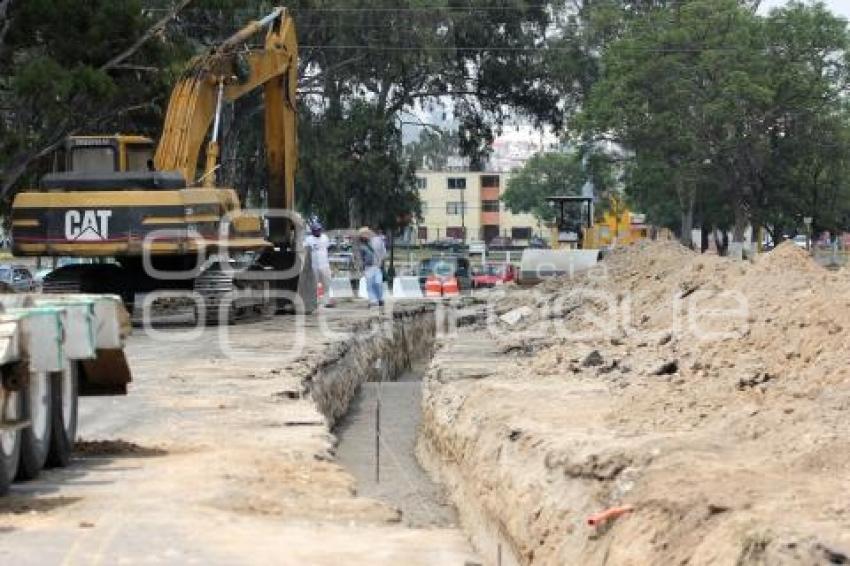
(53, 67)
(544, 175)
(723, 116)
(367, 66)
(353, 172)
(728, 115)
(432, 149)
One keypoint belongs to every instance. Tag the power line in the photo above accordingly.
(542, 49)
(380, 9)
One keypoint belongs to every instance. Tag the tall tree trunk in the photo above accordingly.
(687, 228)
(686, 202)
(741, 222)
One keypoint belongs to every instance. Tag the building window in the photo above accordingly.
(489, 206)
(457, 182)
(455, 232)
(521, 233)
(489, 181)
(421, 183)
(454, 208)
(423, 233)
(490, 231)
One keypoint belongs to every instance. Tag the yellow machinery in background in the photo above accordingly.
(576, 225)
(155, 222)
(577, 237)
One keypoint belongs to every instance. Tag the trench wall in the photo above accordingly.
(378, 349)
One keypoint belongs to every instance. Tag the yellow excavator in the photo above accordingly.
(579, 235)
(155, 223)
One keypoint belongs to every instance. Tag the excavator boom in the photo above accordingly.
(229, 72)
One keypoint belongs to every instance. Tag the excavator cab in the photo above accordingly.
(573, 218)
(103, 154)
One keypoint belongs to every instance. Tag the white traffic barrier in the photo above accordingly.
(407, 288)
(341, 288)
(363, 292)
(536, 264)
(79, 321)
(41, 336)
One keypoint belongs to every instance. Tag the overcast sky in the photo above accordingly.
(840, 7)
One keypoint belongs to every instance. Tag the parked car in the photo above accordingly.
(444, 268)
(538, 242)
(18, 277)
(449, 244)
(493, 274)
(342, 264)
(500, 242)
(801, 241)
(477, 247)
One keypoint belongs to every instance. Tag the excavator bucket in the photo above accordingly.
(107, 374)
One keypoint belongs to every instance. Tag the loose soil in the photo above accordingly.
(710, 395)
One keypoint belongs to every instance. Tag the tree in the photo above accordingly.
(670, 87)
(365, 67)
(68, 66)
(804, 166)
(433, 149)
(544, 175)
(718, 107)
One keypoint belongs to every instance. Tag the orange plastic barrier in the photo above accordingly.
(450, 288)
(433, 288)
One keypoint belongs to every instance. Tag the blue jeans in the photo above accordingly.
(375, 285)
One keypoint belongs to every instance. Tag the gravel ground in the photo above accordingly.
(215, 457)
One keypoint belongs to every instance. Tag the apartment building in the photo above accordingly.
(458, 204)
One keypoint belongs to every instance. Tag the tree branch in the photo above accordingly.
(140, 68)
(13, 173)
(147, 36)
(7, 22)
(319, 77)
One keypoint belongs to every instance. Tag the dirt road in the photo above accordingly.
(216, 457)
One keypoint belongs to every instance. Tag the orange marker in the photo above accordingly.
(603, 516)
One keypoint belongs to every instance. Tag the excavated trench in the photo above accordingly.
(377, 376)
(377, 443)
(371, 395)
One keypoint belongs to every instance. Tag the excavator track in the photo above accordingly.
(228, 298)
(88, 278)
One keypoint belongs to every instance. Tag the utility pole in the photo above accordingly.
(463, 212)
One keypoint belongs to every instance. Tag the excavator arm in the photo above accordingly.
(227, 73)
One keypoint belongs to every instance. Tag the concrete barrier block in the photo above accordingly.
(362, 291)
(407, 288)
(341, 288)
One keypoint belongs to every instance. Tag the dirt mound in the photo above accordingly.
(727, 402)
(787, 256)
